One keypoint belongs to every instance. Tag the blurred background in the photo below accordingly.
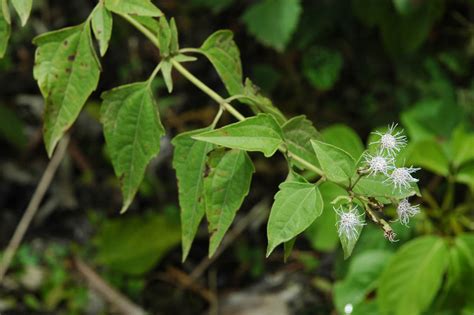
(349, 66)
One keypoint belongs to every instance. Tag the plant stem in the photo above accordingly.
(210, 92)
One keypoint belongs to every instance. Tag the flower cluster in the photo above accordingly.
(349, 222)
(383, 162)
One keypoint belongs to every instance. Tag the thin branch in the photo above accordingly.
(32, 208)
(122, 304)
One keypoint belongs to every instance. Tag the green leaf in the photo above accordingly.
(322, 233)
(429, 155)
(174, 42)
(149, 22)
(461, 146)
(5, 30)
(6, 11)
(296, 206)
(121, 246)
(164, 37)
(67, 71)
(132, 130)
(224, 55)
(189, 161)
(102, 26)
(338, 165)
(259, 102)
(461, 263)
(288, 248)
(225, 188)
(259, 133)
(273, 22)
(361, 279)
(23, 8)
(166, 69)
(345, 138)
(322, 67)
(12, 128)
(378, 186)
(349, 243)
(413, 276)
(465, 174)
(298, 131)
(133, 7)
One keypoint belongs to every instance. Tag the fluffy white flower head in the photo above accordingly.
(349, 222)
(391, 141)
(379, 164)
(401, 177)
(405, 211)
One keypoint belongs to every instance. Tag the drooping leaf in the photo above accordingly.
(224, 55)
(413, 276)
(345, 138)
(67, 71)
(23, 8)
(361, 279)
(5, 30)
(174, 42)
(259, 133)
(322, 67)
(298, 131)
(102, 26)
(189, 161)
(296, 206)
(337, 165)
(133, 7)
(225, 187)
(121, 244)
(273, 22)
(166, 69)
(132, 130)
(288, 248)
(164, 37)
(322, 233)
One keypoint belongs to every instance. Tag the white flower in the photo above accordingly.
(405, 211)
(391, 141)
(349, 222)
(401, 177)
(378, 164)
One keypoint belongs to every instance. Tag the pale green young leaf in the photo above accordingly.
(413, 276)
(224, 55)
(361, 279)
(5, 30)
(102, 26)
(189, 161)
(166, 68)
(296, 206)
(23, 8)
(259, 133)
(133, 7)
(298, 132)
(225, 188)
(6, 11)
(174, 43)
(338, 165)
(164, 37)
(67, 71)
(273, 22)
(380, 187)
(349, 243)
(132, 130)
(345, 138)
(184, 58)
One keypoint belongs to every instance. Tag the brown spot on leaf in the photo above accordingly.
(68, 70)
(71, 57)
(65, 43)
